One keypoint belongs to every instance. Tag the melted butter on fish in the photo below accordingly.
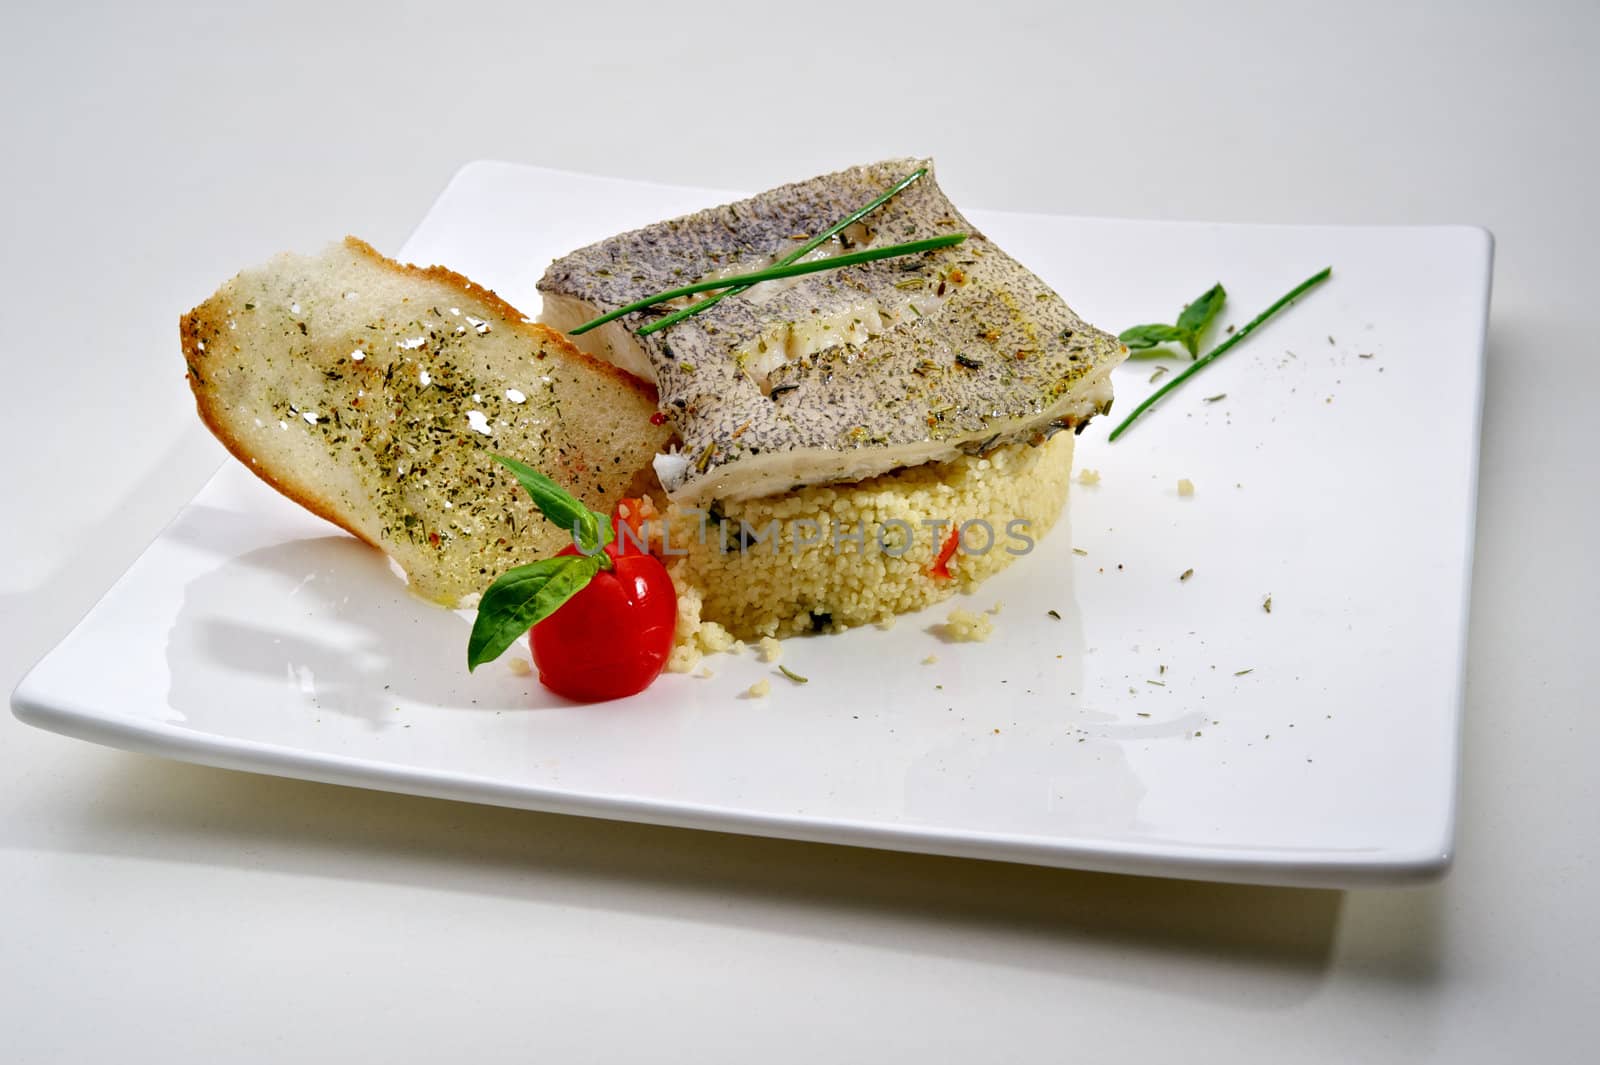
(837, 375)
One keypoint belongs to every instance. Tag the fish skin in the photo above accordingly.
(894, 394)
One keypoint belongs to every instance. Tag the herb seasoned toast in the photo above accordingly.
(375, 393)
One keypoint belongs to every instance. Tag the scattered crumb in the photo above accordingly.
(996, 608)
(1266, 604)
(1330, 340)
(713, 638)
(705, 672)
(1230, 329)
(997, 732)
(519, 666)
(770, 650)
(1088, 476)
(1186, 574)
(964, 626)
(759, 689)
(1365, 355)
(1080, 551)
(738, 647)
(930, 660)
(1185, 487)
(887, 623)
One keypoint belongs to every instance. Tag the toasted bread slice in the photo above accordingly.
(375, 393)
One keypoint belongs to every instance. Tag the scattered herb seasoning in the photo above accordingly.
(1242, 672)
(1054, 614)
(1186, 574)
(1266, 604)
(792, 675)
(1216, 398)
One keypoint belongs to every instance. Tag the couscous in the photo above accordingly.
(831, 557)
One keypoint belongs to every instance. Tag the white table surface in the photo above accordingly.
(151, 911)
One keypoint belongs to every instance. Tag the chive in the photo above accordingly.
(792, 675)
(793, 257)
(809, 246)
(1221, 349)
(772, 273)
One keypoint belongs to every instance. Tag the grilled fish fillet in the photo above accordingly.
(842, 374)
(374, 394)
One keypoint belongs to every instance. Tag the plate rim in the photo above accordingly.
(1327, 869)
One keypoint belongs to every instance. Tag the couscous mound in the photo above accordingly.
(830, 557)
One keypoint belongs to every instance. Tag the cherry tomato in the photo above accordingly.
(614, 636)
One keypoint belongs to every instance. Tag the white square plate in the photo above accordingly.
(1337, 475)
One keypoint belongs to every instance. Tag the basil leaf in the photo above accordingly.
(1148, 336)
(589, 530)
(520, 598)
(1198, 316)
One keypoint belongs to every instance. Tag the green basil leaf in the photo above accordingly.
(588, 529)
(520, 598)
(1148, 336)
(1198, 316)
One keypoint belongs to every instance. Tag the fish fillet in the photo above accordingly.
(841, 374)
